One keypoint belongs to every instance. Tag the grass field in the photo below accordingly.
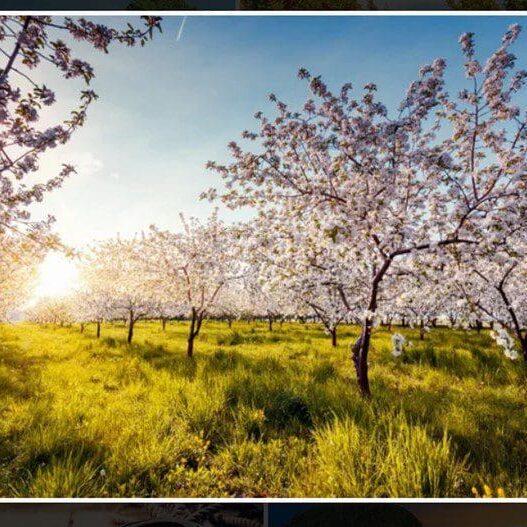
(256, 414)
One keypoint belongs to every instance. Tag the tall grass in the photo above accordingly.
(256, 414)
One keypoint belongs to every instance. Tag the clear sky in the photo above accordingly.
(165, 109)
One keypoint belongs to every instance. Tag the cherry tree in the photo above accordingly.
(264, 300)
(233, 302)
(93, 301)
(52, 310)
(114, 271)
(494, 282)
(429, 178)
(421, 294)
(304, 274)
(19, 259)
(28, 43)
(192, 267)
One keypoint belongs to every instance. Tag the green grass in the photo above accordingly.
(256, 414)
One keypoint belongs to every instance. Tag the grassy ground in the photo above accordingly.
(256, 414)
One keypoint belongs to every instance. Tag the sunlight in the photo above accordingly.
(57, 276)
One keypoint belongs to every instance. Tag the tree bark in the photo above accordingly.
(164, 324)
(334, 337)
(270, 323)
(82, 327)
(523, 342)
(422, 330)
(190, 346)
(98, 332)
(230, 322)
(360, 358)
(190, 340)
(195, 326)
(131, 323)
(362, 346)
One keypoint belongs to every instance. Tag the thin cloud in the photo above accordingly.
(181, 27)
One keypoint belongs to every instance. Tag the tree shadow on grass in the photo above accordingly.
(19, 373)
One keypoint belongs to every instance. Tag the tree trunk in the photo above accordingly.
(230, 323)
(98, 332)
(360, 358)
(195, 325)
(523, 342)
(131, 323)
(334, 337)
(362, 346)
(270, 323)
(422, 330)
(82, 327)
(190, 346)
(164, 324)
(479, 325)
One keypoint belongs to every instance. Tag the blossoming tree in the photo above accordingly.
(429, 178)
(192, 267)
(494, 281)
(19, 259)
(27, 43)
(115, 272)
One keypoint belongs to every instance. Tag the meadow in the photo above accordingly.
(256, 413)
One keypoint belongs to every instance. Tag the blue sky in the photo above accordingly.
(165, 109)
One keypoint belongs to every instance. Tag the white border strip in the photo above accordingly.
(465, 501)
(361, 13)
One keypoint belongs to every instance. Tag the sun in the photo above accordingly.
(57, 276)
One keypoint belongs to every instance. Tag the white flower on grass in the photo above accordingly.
(398, 343)
(504, 340)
